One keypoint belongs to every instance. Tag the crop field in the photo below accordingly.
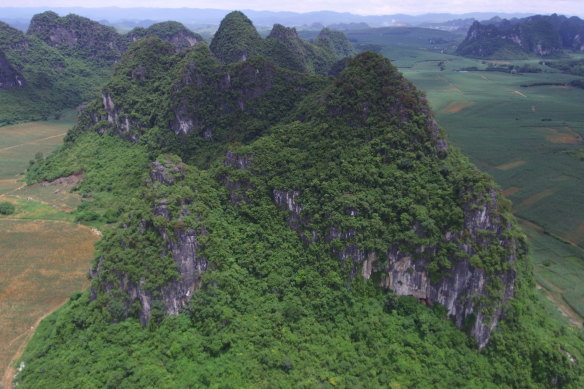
(44, 256)
(20, 143)
(43, 262)
(528, 137)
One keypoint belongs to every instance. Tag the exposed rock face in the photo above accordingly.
(465, 288)
(182, 245)
(540, 35)
(9, 77)
(81, 36)
(173, 32)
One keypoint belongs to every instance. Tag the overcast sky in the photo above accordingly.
(363, 7)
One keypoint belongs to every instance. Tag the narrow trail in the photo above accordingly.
(33, 142)
(10, 371)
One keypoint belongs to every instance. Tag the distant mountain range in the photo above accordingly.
(191, 17)
(539, 35)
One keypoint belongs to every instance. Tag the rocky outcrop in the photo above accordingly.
(472, 293)
(473, 296)
(539, 35)
(9, 77)
(78, 36)
(236, 39)
(181, 244)
(175, 33)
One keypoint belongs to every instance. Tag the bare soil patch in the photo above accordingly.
(516, 92)
(457, 106)
(511, 191)
(536, 197)
(511, 165)
(569, 137)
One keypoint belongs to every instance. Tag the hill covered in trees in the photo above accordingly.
(540, 35)
(62, 62)
(273, 225)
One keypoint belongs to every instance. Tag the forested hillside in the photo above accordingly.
(275, 226)
(540, 35)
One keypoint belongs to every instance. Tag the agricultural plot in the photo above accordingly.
(20, 143)
(44, 257)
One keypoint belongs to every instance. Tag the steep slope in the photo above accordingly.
(78, 37)
(274, 249)
(204, 103)
(49, 80)
(9, 77)
(539, 35)
(236, 39)
(173, 32)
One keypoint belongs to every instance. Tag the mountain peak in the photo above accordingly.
(236, 39)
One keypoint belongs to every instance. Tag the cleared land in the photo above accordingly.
(44, 256)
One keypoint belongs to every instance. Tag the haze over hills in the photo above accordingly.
(286, 218)
(193, 17)
(544, 36)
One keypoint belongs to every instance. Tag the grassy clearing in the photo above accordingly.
(20, 143)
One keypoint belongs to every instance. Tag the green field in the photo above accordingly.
(43, 256)
(529, 138)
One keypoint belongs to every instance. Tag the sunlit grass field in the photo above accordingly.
(530, 139)
(44, 256)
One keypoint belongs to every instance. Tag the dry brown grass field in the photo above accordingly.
(44, 257)
(43, 262)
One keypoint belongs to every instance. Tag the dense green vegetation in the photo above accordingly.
(6, 208)
(539, 35)
(277, 306)
(65, 61)
(237, 39)
(54, 80)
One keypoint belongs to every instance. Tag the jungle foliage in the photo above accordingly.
(277, 307)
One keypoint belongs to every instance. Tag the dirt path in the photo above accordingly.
(34, 141)
(10, 371)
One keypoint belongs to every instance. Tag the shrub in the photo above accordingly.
(6, 208)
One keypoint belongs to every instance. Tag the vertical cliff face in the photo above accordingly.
(473, 296)
(541, 35)
(78, 36)
(173, 32)
(166, 241)
(9, 77)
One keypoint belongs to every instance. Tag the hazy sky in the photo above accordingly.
(363, 7)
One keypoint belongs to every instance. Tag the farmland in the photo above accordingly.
(526, 130)
(44, 256)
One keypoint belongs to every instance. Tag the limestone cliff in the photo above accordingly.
(539, 35)
(175, 33)
(181, 245)
(9, 77)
